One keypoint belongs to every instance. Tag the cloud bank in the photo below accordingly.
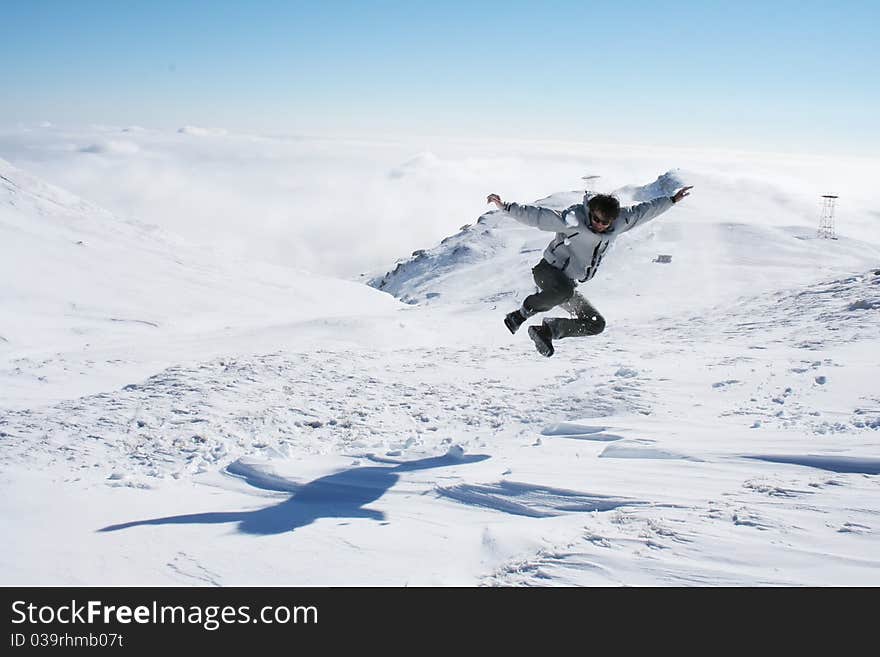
(344, 207)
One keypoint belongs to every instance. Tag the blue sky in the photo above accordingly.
(777, 75)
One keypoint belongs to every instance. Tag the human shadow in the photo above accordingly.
(343, 494)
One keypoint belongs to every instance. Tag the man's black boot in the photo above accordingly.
(514, 320)
(543, 339)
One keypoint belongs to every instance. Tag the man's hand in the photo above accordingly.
(681, 193)
(494, 198)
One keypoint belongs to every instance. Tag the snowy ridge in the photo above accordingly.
(17, 187)
(493, 237)
(472, 253)
(722, 248)
(665, 185)
(471, 246)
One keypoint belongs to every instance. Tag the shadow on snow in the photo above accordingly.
(343, 494)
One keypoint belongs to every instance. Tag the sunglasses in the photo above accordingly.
(601, 222)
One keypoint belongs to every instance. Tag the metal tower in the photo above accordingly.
(826, 221)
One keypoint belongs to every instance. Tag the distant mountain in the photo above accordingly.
(725, 241)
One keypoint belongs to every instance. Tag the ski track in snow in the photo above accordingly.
(192, 572)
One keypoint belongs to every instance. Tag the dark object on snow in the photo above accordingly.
(663, 259)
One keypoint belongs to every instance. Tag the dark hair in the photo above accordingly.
(607, 205)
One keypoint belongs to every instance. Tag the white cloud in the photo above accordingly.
(196, 131)
(112, 146)
(345, 207)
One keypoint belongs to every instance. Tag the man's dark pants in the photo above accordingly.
(557, 289)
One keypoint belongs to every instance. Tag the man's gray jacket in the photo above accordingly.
(577, 249)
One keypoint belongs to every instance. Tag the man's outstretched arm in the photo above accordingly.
(644, 212)
(531, 215)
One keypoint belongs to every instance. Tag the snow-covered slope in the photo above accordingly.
(78, 278)
(281, 430)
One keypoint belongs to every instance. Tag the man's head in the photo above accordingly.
(603, 210)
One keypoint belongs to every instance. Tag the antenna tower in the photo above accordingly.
(826, 221)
